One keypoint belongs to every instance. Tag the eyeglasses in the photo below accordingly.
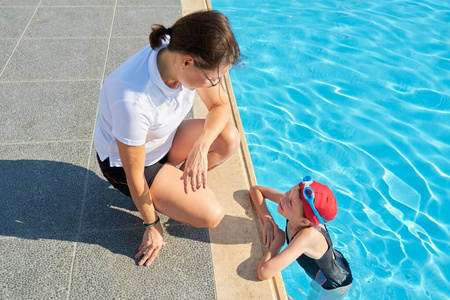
(308, 193)
(212, 81)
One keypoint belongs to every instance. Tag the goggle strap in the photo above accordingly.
(306, 182)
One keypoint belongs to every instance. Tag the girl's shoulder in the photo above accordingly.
(307, 236)
(311, 242)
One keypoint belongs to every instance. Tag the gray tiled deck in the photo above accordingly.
(64, 232)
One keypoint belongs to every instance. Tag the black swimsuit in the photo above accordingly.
(330, 273)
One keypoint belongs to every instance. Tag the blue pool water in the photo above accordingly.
(356, 94)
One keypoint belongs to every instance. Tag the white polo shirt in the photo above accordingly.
(137, 107)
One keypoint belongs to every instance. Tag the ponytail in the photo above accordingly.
(158, 34)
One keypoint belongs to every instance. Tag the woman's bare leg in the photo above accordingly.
(188, 132)
(198, 209)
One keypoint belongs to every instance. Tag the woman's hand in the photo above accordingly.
(152, 241)
(268, 231)
(195, 168)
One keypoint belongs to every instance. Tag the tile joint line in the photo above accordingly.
(77, 238)
(21, 36)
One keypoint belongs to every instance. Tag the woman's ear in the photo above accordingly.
(186, 61)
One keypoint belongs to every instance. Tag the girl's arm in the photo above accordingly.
(257, 195)
(274, 261)
(268, 193)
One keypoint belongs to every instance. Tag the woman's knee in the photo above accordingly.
(213, 217)
(231, 139)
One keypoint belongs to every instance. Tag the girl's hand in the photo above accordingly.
(268, 231)
(279, 234)
(152, 241)
(195, 168)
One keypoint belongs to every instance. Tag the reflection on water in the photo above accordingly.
(356, 94)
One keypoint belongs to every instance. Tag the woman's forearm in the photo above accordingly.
(140, 193)
(133, 161)
(215, 122)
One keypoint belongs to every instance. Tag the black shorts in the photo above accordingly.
(116, 175)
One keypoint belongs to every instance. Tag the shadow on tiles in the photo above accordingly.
(42, 199)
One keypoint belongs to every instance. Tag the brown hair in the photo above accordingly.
(205, 35)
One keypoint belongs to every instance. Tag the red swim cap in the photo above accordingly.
(324, 202)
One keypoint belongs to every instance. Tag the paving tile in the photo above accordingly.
(137, 21)
(78, 2)
(182, 270)
(120, 49)
(6, 48)
(35, 268)
(48, 111)
(13, 20)
(57, 59)
(153, 3)
(19, 3)
(84, 22)
(49, 93)
(42, 188)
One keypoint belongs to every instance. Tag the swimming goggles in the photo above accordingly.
(308, 193)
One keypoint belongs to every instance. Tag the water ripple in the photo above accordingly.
(356, 94)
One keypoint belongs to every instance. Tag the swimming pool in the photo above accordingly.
(356, 94)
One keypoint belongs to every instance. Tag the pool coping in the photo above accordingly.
(236, 247)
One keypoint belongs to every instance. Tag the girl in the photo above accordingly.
(306, 206)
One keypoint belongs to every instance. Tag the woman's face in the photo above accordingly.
(290, 205)
(194, 77)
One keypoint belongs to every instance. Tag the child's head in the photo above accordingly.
(318, 204)
(295, 204)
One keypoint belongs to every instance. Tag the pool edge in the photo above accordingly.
(236, 246)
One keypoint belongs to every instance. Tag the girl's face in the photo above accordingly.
(291, 206)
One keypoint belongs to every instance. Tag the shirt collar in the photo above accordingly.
(155, 76)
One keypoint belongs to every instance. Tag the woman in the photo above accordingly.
(141, 135)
